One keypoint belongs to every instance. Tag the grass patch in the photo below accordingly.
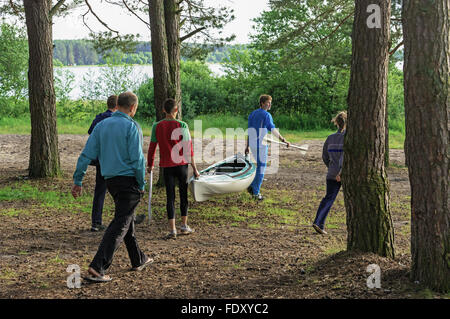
(396, 139)
(8, 274)
(22, 191)
(425, 294)
(334, 250)
(19, 126)
(12, 212)
(396, 165)
(22, 126)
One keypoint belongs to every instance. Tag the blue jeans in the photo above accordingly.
(260, 153)
(333, 188)
(99, 197)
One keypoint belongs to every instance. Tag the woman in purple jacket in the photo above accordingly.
(333, 156)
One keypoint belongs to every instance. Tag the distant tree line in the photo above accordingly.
(82, 52)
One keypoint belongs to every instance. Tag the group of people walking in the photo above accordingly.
(115, 148)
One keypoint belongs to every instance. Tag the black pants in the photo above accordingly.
(171, 175)
(99, 197)
(125, 191)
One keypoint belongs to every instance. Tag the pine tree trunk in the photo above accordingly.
(165, 42)
(386, 130)
(172, 17)
(365, 183)
(426, 26)
(44, 156)
(160, 58)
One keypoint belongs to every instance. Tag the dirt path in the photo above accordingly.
(277, 259)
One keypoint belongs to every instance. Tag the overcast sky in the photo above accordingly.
(72, 27)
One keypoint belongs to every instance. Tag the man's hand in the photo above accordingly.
(247, 150)
(149, 169)
(338, 178)
(76, 191)
(284, 141)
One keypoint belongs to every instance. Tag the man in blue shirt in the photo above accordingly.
(100, 184)
(117, 143)
(259, 123)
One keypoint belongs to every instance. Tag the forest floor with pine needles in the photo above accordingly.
(241, 248)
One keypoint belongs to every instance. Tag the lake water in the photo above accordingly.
(139, 73)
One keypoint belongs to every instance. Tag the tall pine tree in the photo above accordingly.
(365, 182)
(426, 27)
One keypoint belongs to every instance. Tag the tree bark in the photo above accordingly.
(165, 38)
(160, 58)
(172, 16)
(426, 27)
(386, 132)
(44, 156)
(365, 183)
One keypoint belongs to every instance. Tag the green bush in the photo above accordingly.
(301, 100)
(112, 78)
(200, 93)
(396, 105)
(63, 83)
(146, 96)
(12, 107)
(13, 71)
(80, 111)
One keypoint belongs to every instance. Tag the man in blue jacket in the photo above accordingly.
(117, 143)
(100, 184)
(260, 122)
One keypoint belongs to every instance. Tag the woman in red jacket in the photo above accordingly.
(176, 152)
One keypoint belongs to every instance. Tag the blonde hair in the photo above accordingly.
(340, 120)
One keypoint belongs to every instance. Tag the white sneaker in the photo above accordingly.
(186, 230)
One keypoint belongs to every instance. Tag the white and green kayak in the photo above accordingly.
(233, 174)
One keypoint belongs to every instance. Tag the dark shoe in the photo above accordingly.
(319, 230)
(145, 264)
(171, 235)
(96, 228)
(139, 218)
(250, 190)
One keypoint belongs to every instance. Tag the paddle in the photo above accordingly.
(302, 147)
(150, 196)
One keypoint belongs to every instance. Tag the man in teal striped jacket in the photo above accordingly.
(117, 143)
